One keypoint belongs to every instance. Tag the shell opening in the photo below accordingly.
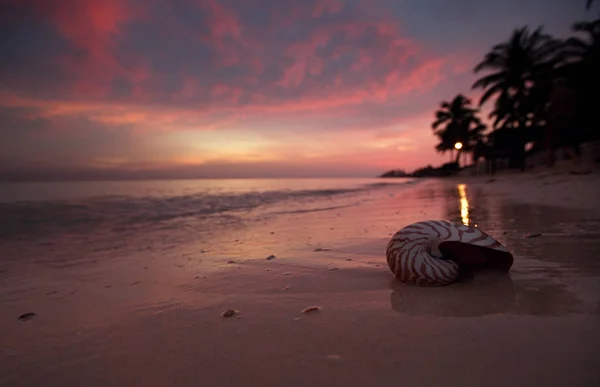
(476, 257)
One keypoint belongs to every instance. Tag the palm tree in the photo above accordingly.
(577, 49)
(456, 121)
(520, 72)
(517, 65)
(581, 60)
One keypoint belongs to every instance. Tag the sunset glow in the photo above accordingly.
(224, 88)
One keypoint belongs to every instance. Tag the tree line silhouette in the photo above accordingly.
(517, 78)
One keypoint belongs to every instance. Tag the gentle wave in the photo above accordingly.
(118, 212)
(308, 210)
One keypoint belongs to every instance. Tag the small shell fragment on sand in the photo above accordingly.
(333, 357)
(533, 235)
(286, 273)
(286, 288)
(270, 257)
(26, 316)
(312, 309)
(229, 313)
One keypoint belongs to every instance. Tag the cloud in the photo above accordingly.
(60, 141)
(207, 65)
(106, 79)
(173, 52)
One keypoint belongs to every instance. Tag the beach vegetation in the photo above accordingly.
(516, 78)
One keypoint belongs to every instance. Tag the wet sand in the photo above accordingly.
(157, 321)
(543, 186)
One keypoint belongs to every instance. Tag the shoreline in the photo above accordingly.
(155, 322)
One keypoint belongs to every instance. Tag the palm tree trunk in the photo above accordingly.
(521, 144)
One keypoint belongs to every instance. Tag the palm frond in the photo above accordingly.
(490, 92)
(438, 122)
(490, 79)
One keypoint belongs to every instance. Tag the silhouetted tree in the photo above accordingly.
(584, 48)
(456, 121)
(581, 61)
(519, 80)
(520, 76)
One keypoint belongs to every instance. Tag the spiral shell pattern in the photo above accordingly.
(414, 256)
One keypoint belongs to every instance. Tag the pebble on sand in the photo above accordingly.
(270, 257)
(321, 249)
(312, 309)
(229, 313)
(533, 235)
(26, 316)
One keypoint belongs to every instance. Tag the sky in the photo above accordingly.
(256, 88)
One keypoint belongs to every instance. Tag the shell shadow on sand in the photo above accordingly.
(487, 293)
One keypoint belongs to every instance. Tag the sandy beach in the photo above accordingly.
(543, 186)
(156, 319)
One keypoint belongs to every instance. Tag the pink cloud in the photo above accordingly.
(92, 26)
(222, 22)
(325, 80)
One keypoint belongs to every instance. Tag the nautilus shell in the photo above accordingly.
(435, 252)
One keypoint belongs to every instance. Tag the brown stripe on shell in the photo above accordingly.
(409, 256)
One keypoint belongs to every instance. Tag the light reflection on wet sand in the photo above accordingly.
(155, 319)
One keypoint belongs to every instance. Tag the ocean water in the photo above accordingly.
(66, 221)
